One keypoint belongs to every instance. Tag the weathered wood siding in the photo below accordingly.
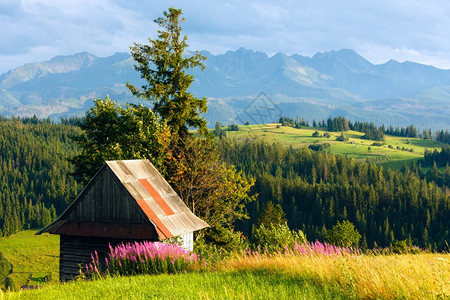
(106, 200)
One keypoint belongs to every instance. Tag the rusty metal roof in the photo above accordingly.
(154, 196)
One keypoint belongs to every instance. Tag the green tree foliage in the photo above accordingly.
(233, 127)
(337, 124)
(164, 68)
(342, 138)
(319, 147)
(344, 234)
(218, 132)
(297, 123)
(272, 214)
(11, 284)
(5, 267)
(35, 185)
(212, 189)
(441, 158)
(443, 136)
(276, 237)
(111, 132)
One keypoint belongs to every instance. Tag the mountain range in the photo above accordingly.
(246, 85)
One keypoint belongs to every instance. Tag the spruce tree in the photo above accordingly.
(164, 67)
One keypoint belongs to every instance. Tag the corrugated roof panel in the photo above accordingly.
(135, 193)
(123, 166)
(177, 204)
(160, 184)
(156, 196)
(177, 224)
(155, 219)
(145, 170)
(155, 207)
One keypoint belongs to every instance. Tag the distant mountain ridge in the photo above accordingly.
(327, 84)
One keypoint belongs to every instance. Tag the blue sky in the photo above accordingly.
(380, 30)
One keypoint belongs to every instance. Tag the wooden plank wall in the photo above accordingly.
(107, 200)
(75, 253)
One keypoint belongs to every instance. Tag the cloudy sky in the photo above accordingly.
(380, 30)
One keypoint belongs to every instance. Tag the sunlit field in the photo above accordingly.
(311, 272)
(393, 152)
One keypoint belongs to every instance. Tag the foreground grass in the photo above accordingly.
(33, 257)
(423, 276)
(254, 284)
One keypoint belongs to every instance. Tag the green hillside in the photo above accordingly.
(34, 258)
(393, 152)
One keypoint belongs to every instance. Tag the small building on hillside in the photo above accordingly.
(125, 201)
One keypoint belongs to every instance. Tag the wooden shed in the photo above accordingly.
(125, 201)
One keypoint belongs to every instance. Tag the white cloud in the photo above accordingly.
(34, 30)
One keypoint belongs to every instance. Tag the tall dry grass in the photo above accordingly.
(420, 276)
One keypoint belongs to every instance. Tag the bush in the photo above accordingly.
(48, 277)
(316, 134)
(225, 239)
(233, 127)
(404, 247)
(344, 235)
(5, 267)
(319, 147)
(10, 284)
(219, 244)
(342, 138)
(275, 238)
(272, 214)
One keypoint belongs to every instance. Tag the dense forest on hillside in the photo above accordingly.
(34, 172)
(316, 189)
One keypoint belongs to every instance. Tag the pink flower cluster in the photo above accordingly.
(318, 248)
(143, 258)
(149, 251)
(307, 248)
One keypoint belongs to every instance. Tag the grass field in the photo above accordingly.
(390, 154)
(312, 276)
(421, 276)
(33, 257)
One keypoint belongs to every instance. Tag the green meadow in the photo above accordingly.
(393, 152)
(255, 276)
(35, 259)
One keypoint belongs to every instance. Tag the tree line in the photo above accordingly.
(370, 130)
(316, 190)
(440, 158)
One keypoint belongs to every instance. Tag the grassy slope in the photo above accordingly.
(356, 147)
(32, 257)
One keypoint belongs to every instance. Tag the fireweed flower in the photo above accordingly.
(145, 258)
